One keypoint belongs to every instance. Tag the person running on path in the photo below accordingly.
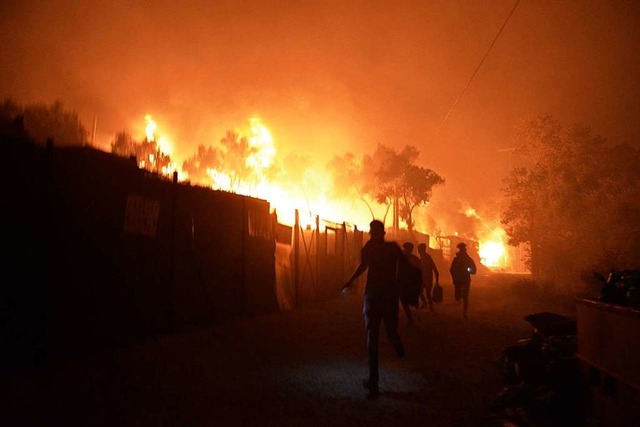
(429, 270)
(413, 261)
(381, 258)
(462, 267)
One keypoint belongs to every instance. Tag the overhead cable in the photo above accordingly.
(479, 65)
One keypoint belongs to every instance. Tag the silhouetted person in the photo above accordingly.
(413, 261)
(429, 270)
(462, 267)
(382, 291)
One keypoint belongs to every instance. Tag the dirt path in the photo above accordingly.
(302, 367)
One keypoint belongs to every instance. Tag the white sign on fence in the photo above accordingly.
(141, 215)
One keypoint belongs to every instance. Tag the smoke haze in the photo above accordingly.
(330, 77)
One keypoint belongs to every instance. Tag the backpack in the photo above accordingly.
(436, 296)
(410, 283)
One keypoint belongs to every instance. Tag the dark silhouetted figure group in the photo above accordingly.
(384, 263)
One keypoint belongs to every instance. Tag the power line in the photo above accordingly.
(479, 65)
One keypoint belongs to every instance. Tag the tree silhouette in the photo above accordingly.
(230, 158)
(575, 200)
(147, 153)
(235, 149)
(124, 145)
(388, 177)
(414, 189)
(43, 122)
(10, 110)
(198, 165)
(394, 178)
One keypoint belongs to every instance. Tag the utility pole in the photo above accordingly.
(296, 256)
(93, 133)
(396, 216)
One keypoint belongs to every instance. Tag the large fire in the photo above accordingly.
(157, 159)
(309, 191)
(260, 158)
(493, 253)
(150, 128)
(493, 250)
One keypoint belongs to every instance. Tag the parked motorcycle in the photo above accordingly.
(541, 373)
(553, 338)
(620, 287)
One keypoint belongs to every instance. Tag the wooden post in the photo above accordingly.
(345, 251)
(396, 217)
(317, 251)
(171, 317)
(296, 256)
(243, 258)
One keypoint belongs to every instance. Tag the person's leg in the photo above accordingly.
(391, 325)
(407, 312)
(465, 300)
(429, 291)
(423, 297)
(372, 318)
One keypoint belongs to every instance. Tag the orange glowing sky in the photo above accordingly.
(330, 77)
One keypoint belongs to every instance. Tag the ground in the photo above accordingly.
(298, 368)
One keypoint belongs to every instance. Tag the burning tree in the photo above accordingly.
(124, 145)
(575, 200)
(232, 158)
(224, 166)
(198, 165)
(149, 152)
(388, 177)
(237, 163)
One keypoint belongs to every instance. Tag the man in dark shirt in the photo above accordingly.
(462, 267)
(413, 262)
(429, 269)
(382, 291)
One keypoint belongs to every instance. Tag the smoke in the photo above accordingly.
(332, 77)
